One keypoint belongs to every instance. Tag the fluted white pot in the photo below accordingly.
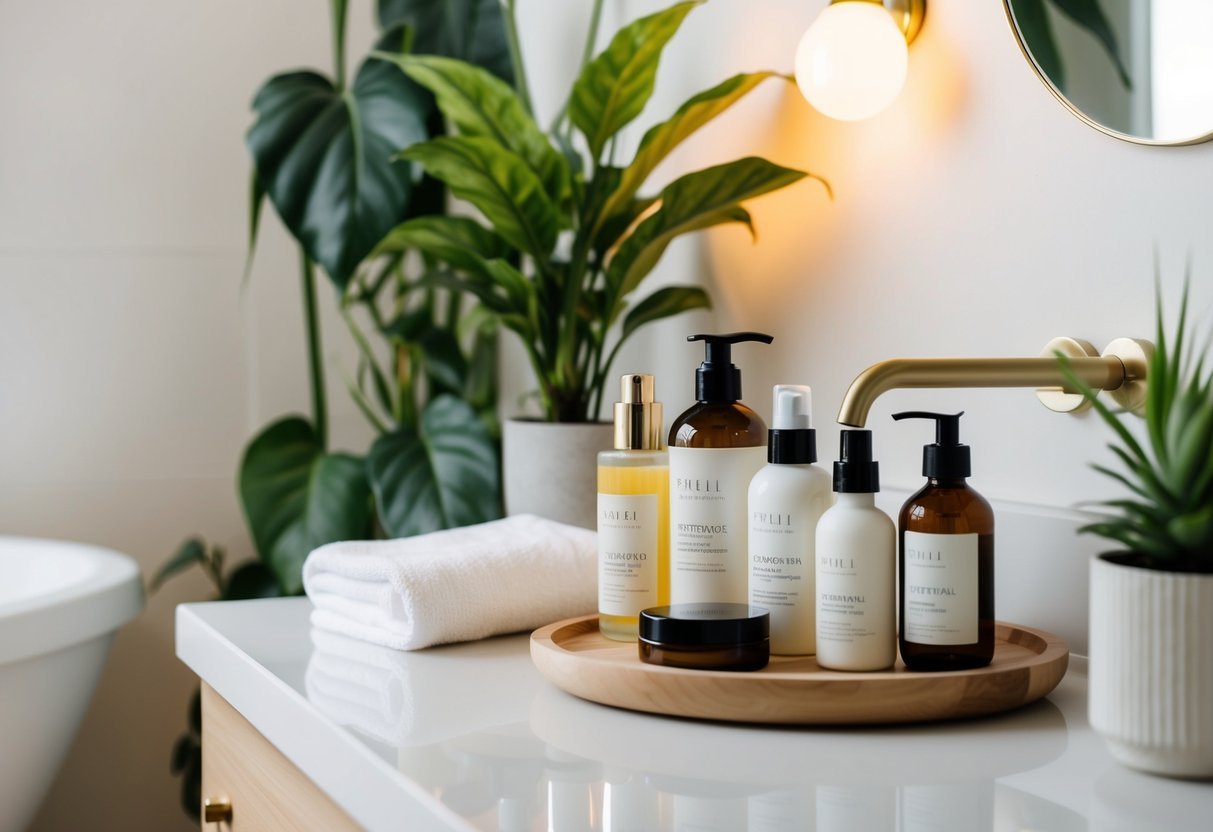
(551, 468)
(1151, 686)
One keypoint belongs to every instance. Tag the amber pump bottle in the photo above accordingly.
(716, 447)
(946, 563)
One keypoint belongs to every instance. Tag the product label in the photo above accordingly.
(781, 544)
(940, 588)
(627, 553)
(708, 528)
(855, 599)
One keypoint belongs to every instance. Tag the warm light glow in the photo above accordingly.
(851, 63)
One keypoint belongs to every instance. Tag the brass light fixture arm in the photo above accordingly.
(907, 14)
(1121, 368)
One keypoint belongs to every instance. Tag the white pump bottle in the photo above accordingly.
(787, 497)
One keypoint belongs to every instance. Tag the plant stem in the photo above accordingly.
(587, 53)
(592, 36)
(337, 8)
(372, 363)
(511, 33)
(314, 358)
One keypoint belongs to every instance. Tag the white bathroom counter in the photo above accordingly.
(470, 736)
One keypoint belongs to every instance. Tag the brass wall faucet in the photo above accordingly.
(1121, 369)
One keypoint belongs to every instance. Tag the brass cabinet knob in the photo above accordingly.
(216, 810)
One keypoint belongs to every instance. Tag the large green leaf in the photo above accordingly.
(671, 300)
(698, 200)
(478, 104)
(471, 30)
(614, 87)
(442, 474)
(296, 497)
(664, 137)
(325, 158)
(456, 240)
(499, 183)
(473, 250)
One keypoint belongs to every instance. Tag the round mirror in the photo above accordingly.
(1139, 70)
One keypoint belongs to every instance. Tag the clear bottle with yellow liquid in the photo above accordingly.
(633, 513)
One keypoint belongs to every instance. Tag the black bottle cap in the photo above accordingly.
(947, 459)
(718, 379)
(855, 472)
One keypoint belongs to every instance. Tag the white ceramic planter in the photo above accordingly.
(1151, 689)
(551, 468)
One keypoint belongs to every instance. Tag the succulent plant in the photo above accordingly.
(1167, 520)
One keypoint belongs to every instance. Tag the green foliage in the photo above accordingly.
(567, 302)
(432, 476)
(615, 86)
(297, 497)
(186, 759)
(472, 30)
(498, 182)
(326, 156)
(1167, 519)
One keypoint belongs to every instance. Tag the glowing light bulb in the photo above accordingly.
(851, 63)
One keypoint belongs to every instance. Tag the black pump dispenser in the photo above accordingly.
(855, 472)
(947, 459)
(718, 379)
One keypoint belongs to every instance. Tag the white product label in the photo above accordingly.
(781, 543)
(855, 605)
(940, 588)
(709, 488)
(627, 553)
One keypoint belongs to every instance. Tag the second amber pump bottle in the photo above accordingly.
(946, 564)
(633, 513)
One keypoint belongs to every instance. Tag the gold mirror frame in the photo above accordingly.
(1069, 105)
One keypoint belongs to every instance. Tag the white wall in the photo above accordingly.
(132, 366)
(976, 217)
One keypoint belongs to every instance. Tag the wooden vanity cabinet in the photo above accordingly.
(265, 791)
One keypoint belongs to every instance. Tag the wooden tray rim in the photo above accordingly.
(1053, 652)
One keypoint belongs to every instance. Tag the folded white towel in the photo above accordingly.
(455, 585)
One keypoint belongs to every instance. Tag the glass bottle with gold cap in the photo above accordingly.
(633, 513)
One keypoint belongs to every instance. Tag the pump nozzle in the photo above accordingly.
(856, 472)
(791, 439)
(717, 379)
(947, 458)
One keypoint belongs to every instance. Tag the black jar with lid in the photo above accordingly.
(706, 636)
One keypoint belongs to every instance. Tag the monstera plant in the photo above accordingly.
(324, 152)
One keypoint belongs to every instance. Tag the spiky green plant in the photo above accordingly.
(1167, 522)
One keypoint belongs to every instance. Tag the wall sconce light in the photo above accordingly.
(851, 63)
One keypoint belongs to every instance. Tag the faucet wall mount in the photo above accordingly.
(1121, 369)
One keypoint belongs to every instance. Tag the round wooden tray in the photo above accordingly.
(574, 656)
